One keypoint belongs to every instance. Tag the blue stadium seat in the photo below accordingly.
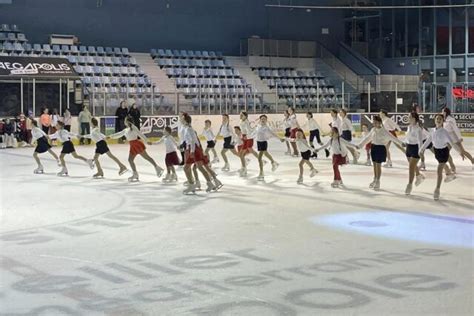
(161, 53)
(91, 50)
(27, 48)
(153, 53)
(100, 51)
(176, 53)
(191, 54)
(198, 54)
(83, 50)
(74, 50)
(46, 49)
(21, 37)
(78, 69)
(8, 47)
(99, 60)
(116, 61)
(125, 51)
(3, 37)
(109, 51)
(81, 60)
(168, 53)
(117, 51)
(11, 37)
(205, 54)
(72, 59)
(89, 60)
(17, 47)
(5, 28)
(65, 49)
(56, 49)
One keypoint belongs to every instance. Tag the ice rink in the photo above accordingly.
(78, 246)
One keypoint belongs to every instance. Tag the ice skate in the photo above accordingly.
(274, 166)
(63, 172)
(173, 178)
(334, 184)
(159, 171)
(39, 170)
(419, 179)
(90, 162)
(215, 160)
(210, 187)
(355, 160)
(388, 164)
(197, 185)
(300, 180)
(261, 177)
(218, 184)
(368, 162)
(59, 162)
(372, 184)
(450, 177)
(98, 175)
(408, 189)
(133, 178)
(313, 172)
(226, 167)
(122, 170)
(191, 189)
(377, 185)
(167, 178)
(436, 194)
(243, 172)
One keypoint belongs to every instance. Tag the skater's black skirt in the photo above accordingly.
(68, 148)
(42, 145)
(378, 153)
(262, 146)
(287, 132)
(101, 147)
(347, 135)
(228, 143)
(412, 151)
(211, 144)
(306, 155)
(442, 155)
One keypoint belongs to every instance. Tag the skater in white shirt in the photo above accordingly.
(101, 148)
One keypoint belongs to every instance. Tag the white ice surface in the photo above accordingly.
(68, 245)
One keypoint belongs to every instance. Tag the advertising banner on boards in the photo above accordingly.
(36, 67)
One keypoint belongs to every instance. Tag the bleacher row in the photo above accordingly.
(192, 63)
(202, 73)
(312, 102)
(59, 50)
(168, 53)
(286, 73)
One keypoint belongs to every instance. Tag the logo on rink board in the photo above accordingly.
(314, 287)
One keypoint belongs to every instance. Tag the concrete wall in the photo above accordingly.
(179, 24)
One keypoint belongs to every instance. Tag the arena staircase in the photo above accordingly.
(165, 85)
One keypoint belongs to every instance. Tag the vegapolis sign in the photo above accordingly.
(36, 67)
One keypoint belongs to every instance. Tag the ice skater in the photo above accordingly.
(392, 128)
(287, 127)
(306, 152)
(294, 126)
(365, 132)
(42, 146)
(339, 151)
(211, 141)
(413, 141)
(347, 133)
(262, 134)
(247, 142)
(441, 142)
(379, 137)
(133, 135)
(64, 137)
(101, 148)
(171, 158)
(194, 155)
(314, 132)
(455, 134)
(226, 132)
